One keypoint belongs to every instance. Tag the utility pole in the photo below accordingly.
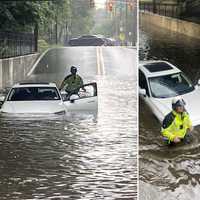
(92, 4)
(116, 23)
(154, 6)
(56, 28)
(126, 29)
(36, 37)
(134, 29)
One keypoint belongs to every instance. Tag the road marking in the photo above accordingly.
(36, 62)
(100, 61)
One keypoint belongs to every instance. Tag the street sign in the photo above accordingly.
(122, 36)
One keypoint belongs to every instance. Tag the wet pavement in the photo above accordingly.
(168, 173)
(80, 155)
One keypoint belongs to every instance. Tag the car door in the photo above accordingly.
(143, 84)
(84, 100)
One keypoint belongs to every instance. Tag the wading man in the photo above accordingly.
(176, 125)
(72, 83)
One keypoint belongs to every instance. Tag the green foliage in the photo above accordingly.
(106, 28)
(43, 45)
(22, 15)
(81, 18)
(112, 24)
(61, 19)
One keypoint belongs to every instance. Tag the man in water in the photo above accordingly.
(72, 83)
(177, 124)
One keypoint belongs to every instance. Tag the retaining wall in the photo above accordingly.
(15, 69)
(180, 26)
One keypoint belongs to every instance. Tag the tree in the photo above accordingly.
(81, 18)
(57, 20)
(21, 15)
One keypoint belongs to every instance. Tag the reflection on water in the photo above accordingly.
(77, 156)
(168, 173)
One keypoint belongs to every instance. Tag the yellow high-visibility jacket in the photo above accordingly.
(72, 82)
(176, 125)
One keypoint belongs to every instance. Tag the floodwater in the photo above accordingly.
(165, 172)
(80, 155)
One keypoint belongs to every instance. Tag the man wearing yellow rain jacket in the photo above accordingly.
(177, 124)
(72, 83)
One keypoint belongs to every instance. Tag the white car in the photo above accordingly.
(160, 82)
(45, 98)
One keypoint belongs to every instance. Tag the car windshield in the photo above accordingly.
(170, 85)
(34, 94)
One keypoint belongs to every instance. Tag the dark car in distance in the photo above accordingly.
(91, 40)
(87, 40)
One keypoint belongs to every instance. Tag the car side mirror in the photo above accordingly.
(63, 95)
(197, 86)
(73, 98)
(142, 92)
(2, 98)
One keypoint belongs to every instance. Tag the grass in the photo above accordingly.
(43, 46)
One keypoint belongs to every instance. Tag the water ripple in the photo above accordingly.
(73, 157)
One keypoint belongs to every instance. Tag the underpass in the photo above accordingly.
(80, 155)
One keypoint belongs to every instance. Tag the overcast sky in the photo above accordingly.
(100, 3)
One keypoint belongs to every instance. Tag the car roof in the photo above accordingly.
(32, 84)
(153, 68)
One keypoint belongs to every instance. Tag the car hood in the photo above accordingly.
(33, 107)
(192, 106)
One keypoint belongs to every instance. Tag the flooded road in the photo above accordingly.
(168, 173)
(80, 155)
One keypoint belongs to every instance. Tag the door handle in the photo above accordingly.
(91, 101)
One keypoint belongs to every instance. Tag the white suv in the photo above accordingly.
(45, 98)
(160, 82)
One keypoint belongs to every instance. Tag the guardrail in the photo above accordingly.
(16, 44)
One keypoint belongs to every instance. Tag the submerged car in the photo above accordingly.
(160, 82)
(45, 98)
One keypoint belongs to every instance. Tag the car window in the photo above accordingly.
(89, 91)
(34, 94)
(143, 82)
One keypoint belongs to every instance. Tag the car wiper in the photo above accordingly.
(163, 97)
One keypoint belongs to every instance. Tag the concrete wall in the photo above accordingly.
(180, 26)
(13, 70)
